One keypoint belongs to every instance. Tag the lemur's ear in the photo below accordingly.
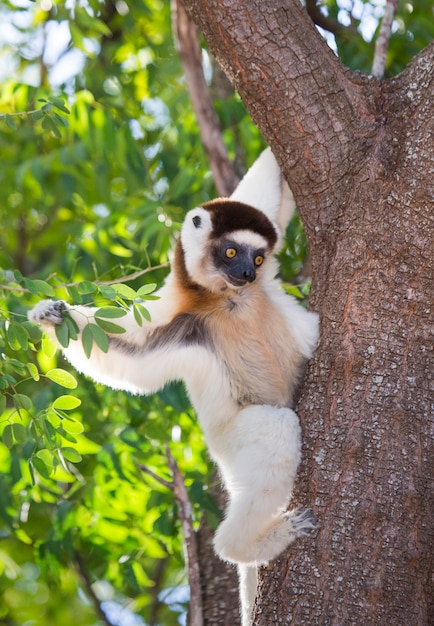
(264, 188)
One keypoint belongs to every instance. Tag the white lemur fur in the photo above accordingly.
(224, 326)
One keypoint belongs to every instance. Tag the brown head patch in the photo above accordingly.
(229, 215)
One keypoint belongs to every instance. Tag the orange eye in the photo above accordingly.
(259, 260)
(230, 253)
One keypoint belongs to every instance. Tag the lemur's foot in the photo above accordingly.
(48, 312)
(302, 521)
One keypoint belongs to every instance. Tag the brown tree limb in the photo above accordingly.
(179, 490)
(185, 34)
(325, 22)
(382, 42)
(296, 91)
(186, 519)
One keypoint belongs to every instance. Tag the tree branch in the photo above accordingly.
(186, 519)
(115, 281)
(325, 22)
(177, 486)
(185, 34)
(382, 42)
(312, 111)
(90, 592)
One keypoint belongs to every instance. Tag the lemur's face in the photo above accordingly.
(238, 256)
(221, 250)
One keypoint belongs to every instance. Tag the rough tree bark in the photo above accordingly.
(358, 154)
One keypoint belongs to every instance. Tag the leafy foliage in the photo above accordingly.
(100, 160)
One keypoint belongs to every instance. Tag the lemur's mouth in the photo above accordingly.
(237, 282)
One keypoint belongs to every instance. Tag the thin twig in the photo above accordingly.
(90, 592)
(177, 486)
(185, 516)
(382, 42)
(162, 481)
(122, 279)
(185, 34)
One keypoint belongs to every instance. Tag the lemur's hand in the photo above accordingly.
(48, 312)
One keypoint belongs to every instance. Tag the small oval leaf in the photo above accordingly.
(125, 292)
(63, 378)
(20, 433)
(7, 436)
(109, 327)
(66, 403)
(146, 289)
(99, 337)
(110, 312)
(71, 455)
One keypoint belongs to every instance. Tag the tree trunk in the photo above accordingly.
(358, 154)
(220, 598)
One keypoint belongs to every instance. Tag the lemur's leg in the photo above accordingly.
(259, 470)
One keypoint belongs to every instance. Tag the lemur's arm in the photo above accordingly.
(127, 365)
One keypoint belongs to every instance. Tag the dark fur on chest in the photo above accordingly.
(186, 329)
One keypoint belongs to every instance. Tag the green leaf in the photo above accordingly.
(72, 455)
(59, 103)
(107, 292)
(22, 401)
(33, 371)
(62, 377)
(49, 124)
(49, 348)
(9, 121)
(137, 315)
(87, 340)
(124, 291)
(146, 289)
(99, 336)
(109, 327)
(74, 427)
(72, 326)
(39, 287)
(62, 334)
(86, 287)
(8, 436)
(46, 456)
(39, 465)
(17, 336)
(66, 403)
(20, 433)
(37, 115)
(93, 333)
(143, 311)
(110, 312)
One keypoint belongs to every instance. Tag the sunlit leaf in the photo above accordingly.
(33, 371)
(146, 289)
(62, 377)
(125, 291)
(71, 455)
(66, 403)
